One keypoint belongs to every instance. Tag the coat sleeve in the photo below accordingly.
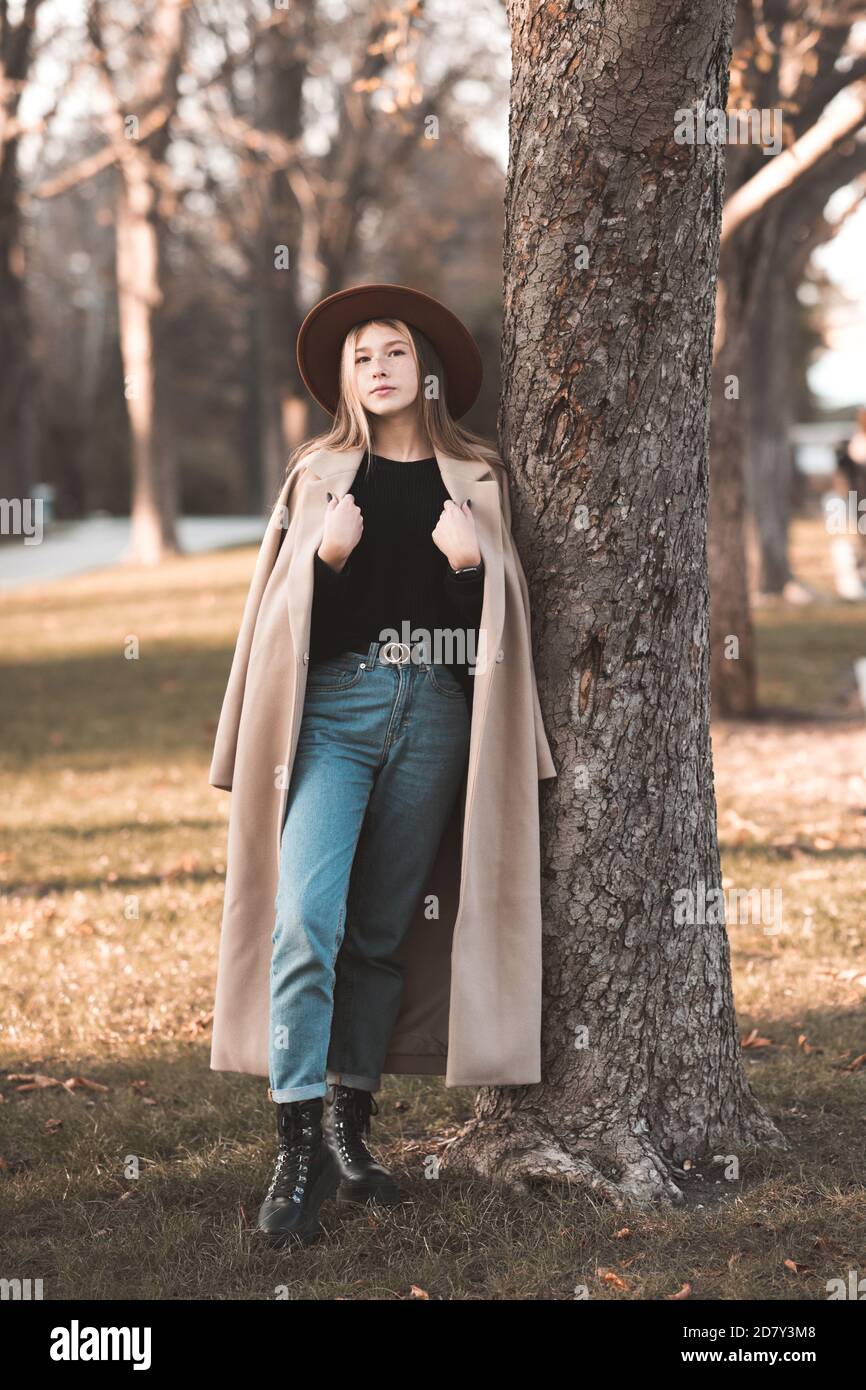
(546, 767)
(225, 743)
(465, 594)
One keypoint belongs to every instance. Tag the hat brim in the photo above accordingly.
(321, 335)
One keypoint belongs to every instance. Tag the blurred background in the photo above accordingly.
(191, 178)
(180, 182)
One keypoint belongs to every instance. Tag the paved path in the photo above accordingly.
(77, 546)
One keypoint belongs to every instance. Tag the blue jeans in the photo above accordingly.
(380, 755)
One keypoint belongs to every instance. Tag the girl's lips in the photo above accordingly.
(380, 390)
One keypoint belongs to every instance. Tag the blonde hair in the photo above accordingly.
(351, 425)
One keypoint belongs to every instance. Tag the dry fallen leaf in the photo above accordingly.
(415, 1292)
(198, 1025)
(609, 1276)
(682, 1292)
(754, 1039)
(35, 1081)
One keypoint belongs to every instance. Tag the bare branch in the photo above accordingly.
(153, 121)
(789, 166)
(824, 91)
(100, 159)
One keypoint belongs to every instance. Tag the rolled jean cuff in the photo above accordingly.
(292, 1093)
(358, 1083)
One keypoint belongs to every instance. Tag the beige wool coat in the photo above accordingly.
(471, 1007)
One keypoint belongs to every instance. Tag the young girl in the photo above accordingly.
(384, 735)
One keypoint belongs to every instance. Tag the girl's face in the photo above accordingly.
(386, 377)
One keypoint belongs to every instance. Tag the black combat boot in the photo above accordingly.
(347, 1117)
(304, 1177)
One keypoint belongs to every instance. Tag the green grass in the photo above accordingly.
(112, 864)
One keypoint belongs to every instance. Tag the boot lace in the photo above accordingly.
(352, 1111)
(293, 1160)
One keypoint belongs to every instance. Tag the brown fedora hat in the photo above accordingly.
(320, 340)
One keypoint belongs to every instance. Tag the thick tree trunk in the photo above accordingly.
(153, 503)
(604, 424)
(142, 171)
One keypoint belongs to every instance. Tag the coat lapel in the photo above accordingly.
(334, 471)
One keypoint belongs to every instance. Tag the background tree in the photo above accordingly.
(249, 143)
(138, 122)
(796, 59)
(17, 379)
(800, 228)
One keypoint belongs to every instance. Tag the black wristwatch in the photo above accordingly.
(469, 569)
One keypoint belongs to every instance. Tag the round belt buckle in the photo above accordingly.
(393, 653)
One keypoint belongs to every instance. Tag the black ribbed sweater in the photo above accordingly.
(396, 572)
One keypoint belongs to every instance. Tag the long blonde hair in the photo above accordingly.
(351, 425)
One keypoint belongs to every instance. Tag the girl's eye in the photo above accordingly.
(365, 357)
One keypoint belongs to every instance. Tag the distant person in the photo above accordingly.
(849, 547)
(851, 456)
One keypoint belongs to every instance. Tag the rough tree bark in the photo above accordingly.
(605, 405)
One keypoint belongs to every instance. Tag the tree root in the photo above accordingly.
(518, 1153)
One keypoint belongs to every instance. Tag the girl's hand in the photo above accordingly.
(456, 537)
(344, 526)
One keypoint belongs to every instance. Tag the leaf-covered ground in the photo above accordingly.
(129, 1169)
